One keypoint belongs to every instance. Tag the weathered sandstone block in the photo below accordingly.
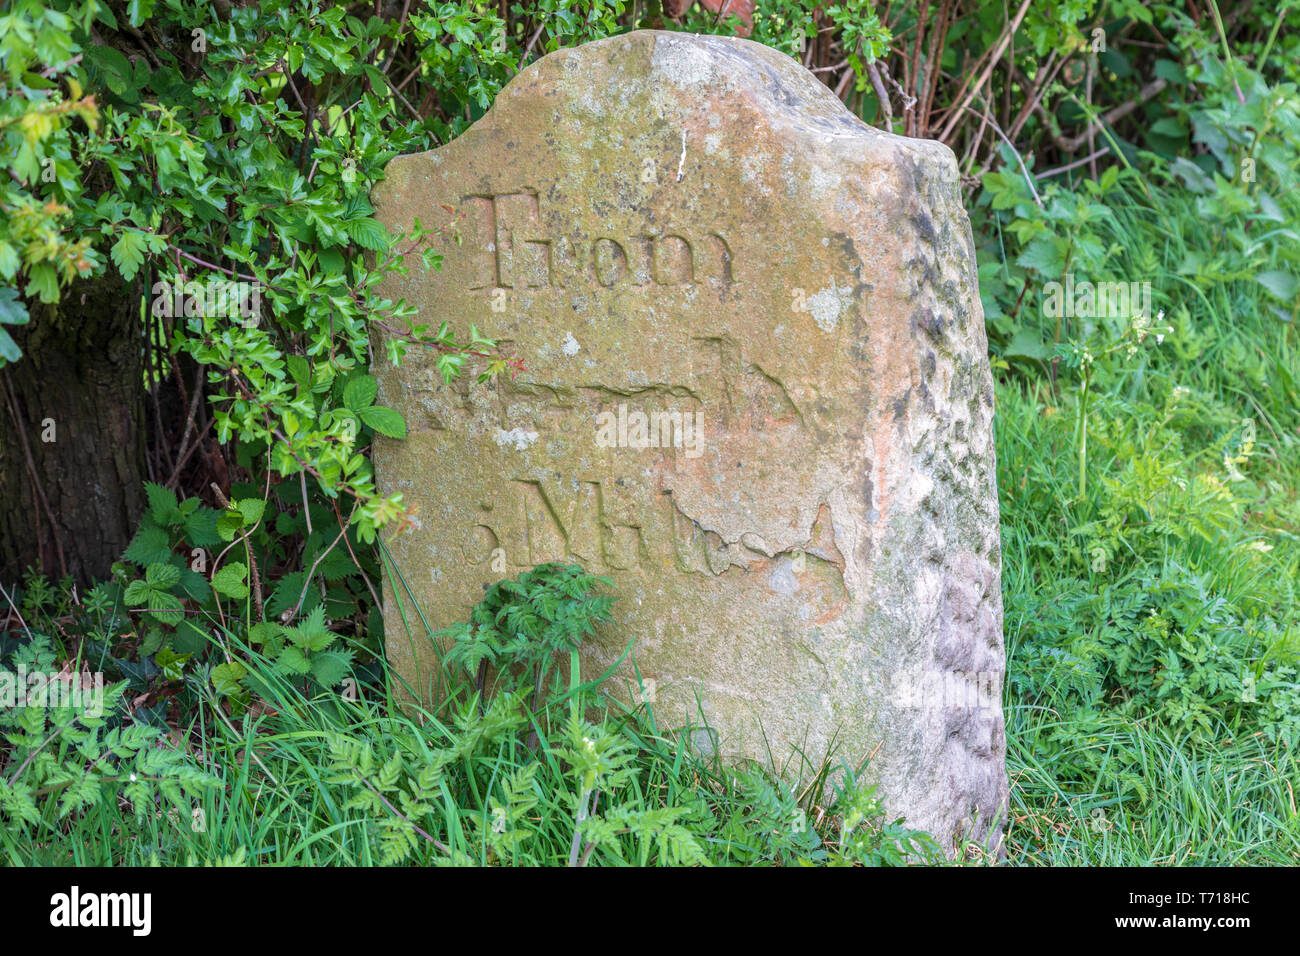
(757, 396)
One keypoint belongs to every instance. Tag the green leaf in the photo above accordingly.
(165, 608)
(149, 546)
(330, 667)
(152, 641)
(139, 11)
(1042, 254)
(12, 310)
(9, 263)
(9, 350)
(383, 420)
(1281, 284)
(113, 65)
(293, 660)
(1169, 127)
(43, 282)
(162, 576)
(360, 392)
(188, 639)
(230, 580)
(128, 254)
(163, 506)
(226, 677)
(299, 370)
(137, 593)
(1026, 344)
(288, 591)
(367, 233)
(229, 525)
(312, 633)
(170, 663)
(195, 586)
(264, 632)
(201, 527)
(252, 510)
(1170, 71)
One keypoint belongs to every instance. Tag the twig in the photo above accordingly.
(198, 443)
(972, 150)
(1048, 73)
(882, 95)
(189, 427)
(523, 57)
(1011, 28)
(306, 508)
(1074, 165)
(1110, 117)
(16, 611)
(401, 816)
(306, 584)
(12, 400)
(355, 560)
(936, 61)
(909, 101)
(32, 756)
(210, 265)
(915, 69)
(843, 84)
(248, 548)
(1012, 146)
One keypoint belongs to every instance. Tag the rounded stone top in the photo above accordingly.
(673, 75)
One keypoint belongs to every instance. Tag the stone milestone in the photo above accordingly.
(756, 394)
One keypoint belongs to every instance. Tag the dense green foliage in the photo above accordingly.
(494, 776)
(1148, 474)
(1148, 464)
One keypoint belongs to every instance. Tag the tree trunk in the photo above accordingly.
(72, 434)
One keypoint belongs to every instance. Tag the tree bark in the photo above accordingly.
(72, 433)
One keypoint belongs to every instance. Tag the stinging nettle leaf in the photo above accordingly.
(230, 581)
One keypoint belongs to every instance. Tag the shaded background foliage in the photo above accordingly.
(184, 143)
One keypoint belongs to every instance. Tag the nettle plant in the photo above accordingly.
(193, 578)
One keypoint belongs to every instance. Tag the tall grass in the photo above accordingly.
(1096, 778)
(285, 798)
